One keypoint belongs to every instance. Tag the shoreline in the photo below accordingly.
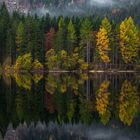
(69, 71)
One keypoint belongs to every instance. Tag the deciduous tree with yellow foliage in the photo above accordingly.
(103, 44)
(102, 102)
(129, 102)
(129, 41)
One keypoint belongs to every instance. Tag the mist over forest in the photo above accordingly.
(110, 8)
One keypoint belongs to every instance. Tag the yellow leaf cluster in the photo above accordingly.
(129, 40)
(129, 103)
(103, 44)
(102, 98)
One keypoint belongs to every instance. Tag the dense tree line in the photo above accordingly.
(31, 42)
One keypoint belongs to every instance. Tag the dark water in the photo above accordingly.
(68, 106)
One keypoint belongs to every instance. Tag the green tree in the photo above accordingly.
(86, 37)
(60, 39)
(20, 39)
(4, 27)
(19, 101)
(11, 36)
(86, 108)
(107, 25)
(71, 36)
(38, 50)
(71, 109)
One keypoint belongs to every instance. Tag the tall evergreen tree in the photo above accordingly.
(13, 30)
(20, 39)
(86, 37)
(71, 36)
(4, 26)
(30, 36)
(60, 40)
(39, 50)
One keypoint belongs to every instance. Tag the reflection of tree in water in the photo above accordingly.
(62, 83)
(20, 104)
(63, 89)
(129, 102)
(7, 79)
(37, 77)
(86, 109)
(71, 107)
(49, 103)
(66, 100)
(51, 83)
(25, 80)
(102, 102)
(29, 104)
(28, 100)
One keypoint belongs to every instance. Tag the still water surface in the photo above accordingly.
(64, 106)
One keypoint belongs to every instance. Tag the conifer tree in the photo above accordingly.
(4, 26)
(20, 39)
(60, 40)
(86, 36)
(38, 48)
(71, 36)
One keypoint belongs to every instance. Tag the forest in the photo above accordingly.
(67, 43)
(61, 71)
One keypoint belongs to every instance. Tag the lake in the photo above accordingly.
(70, 106)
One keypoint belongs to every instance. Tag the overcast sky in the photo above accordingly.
(102, 2)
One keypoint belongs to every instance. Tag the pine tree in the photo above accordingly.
(30, 26)
(9, 46)
(4, 26)
(60, 40)
(86, 36)
(71, 36)
(13, 29)
(20, 39)
(129, 41)
(38, 48)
